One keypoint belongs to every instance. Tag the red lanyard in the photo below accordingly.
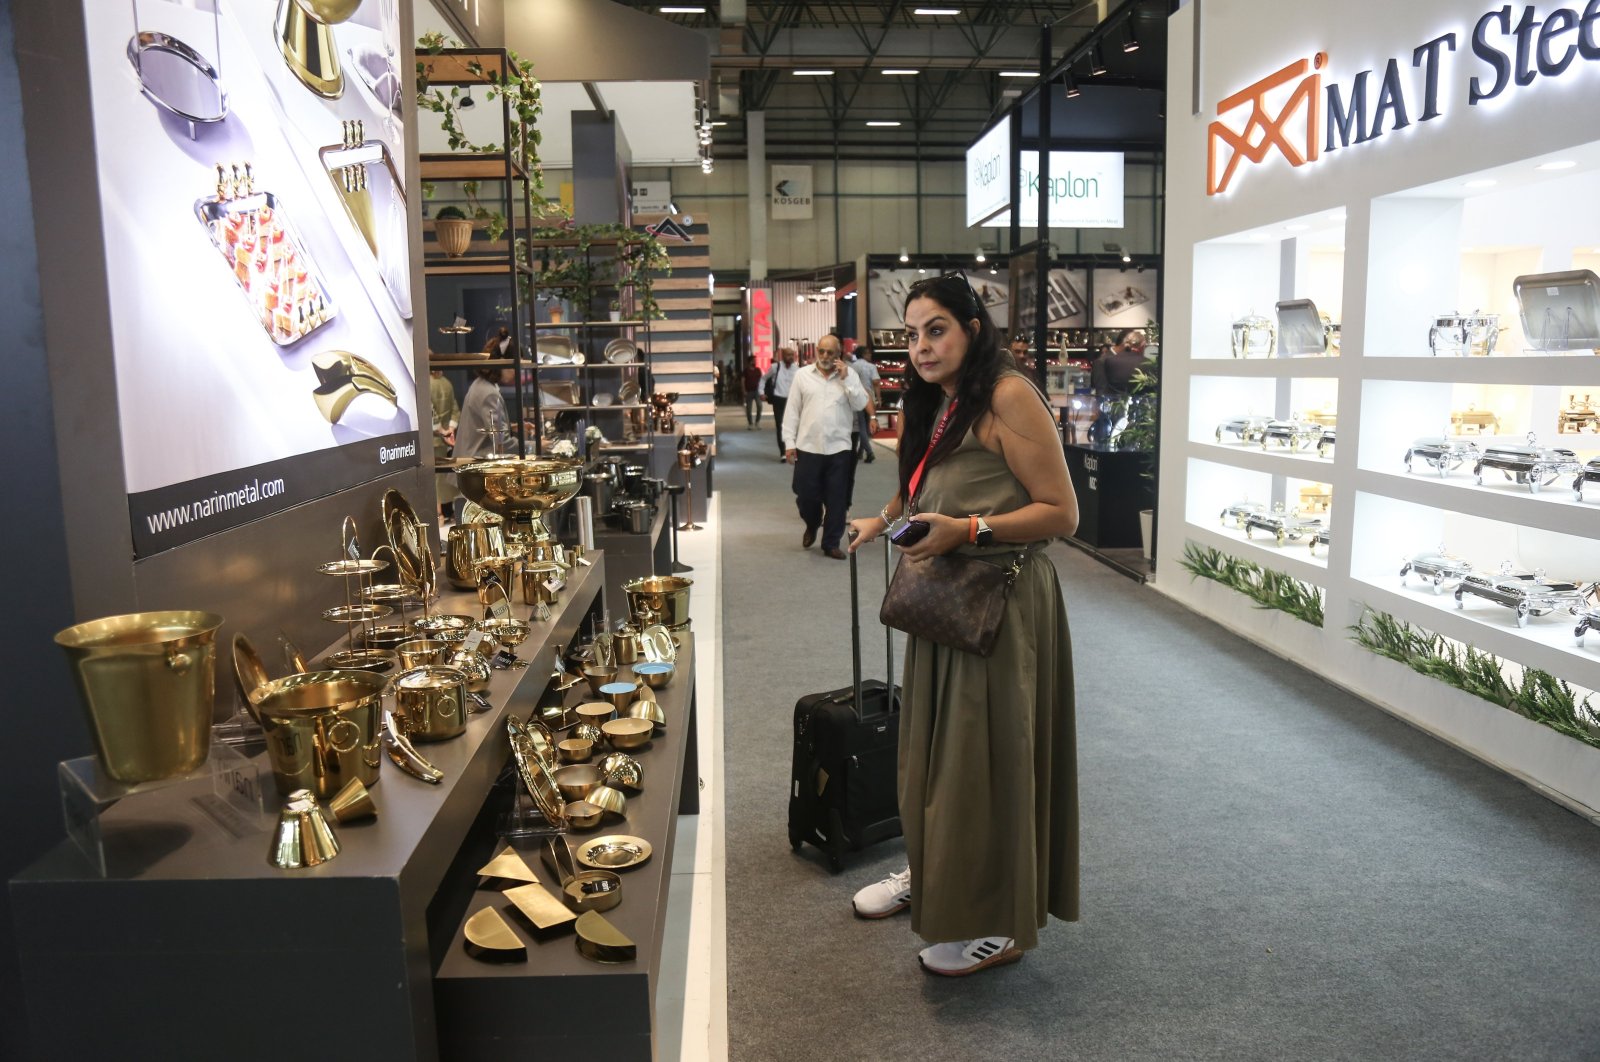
(938, 431)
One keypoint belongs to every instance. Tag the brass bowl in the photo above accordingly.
(322, 729)
(620, 694)
(620, 769)
(646, 694)
(661, 599)
(508, 632)
(522, 489)
(584, 815)
(596, 712)
(605, 796)
(598, 675)
(376, 661)
(577, 781)
(628, 733)
(450, 628)
(647, 710)
(593, 890)
(589, 732)
(386, 636)
(420, 652)
(575, 750)
(654, 675)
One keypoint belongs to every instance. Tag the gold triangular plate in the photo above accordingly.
(506, 871)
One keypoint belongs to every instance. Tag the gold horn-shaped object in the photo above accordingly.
(353, 803)
(305, 37)
(303, 837)
(490, 938)
(506, 871)
(342, 377)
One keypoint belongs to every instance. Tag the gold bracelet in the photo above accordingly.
(883, 514)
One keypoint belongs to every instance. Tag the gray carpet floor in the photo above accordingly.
(1272, 869)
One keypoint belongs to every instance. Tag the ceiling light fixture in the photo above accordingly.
(980, 256)
(1130, 38)
(883, 125)
(993, 271)
(827, 288)
(899, 73)
(718, 125)
(1097, 62)
(1126, 257)
(903, 256)
(813, 73)
(1073, 92)
(1560, 164)
(937, 12)
(467, 102)
(1019, 73)
(922, 271)
(681, 10)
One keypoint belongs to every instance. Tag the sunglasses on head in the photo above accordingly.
(922, 287)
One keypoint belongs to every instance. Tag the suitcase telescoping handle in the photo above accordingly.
(855, 632)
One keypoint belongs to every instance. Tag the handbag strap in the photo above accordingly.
(933, 440)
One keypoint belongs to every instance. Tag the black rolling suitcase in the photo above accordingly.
(842, 791)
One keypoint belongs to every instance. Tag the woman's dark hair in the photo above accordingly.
(919, 401)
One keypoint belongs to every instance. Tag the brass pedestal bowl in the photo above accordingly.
(522, 490)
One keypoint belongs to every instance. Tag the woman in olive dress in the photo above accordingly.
(987, 756)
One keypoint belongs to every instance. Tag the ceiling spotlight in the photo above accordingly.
(980, 256)
(813, 73)
(883, 125)
(826, 288)
(1073, 92)
(467, 102)
(903, 256)
(993, 271)
(899, 73)
(718, 124)
(1130, 37)
(922, 271)
(1126, 257)
(1097, 62)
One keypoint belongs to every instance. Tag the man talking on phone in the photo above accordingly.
(823, 401)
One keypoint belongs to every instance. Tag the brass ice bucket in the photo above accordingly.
(535, 574)
(465, 546)
(522, 490)
(147, 680)
(323, 728)
(432, 701)
(659, 599)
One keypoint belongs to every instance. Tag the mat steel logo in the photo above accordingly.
(1291, 113)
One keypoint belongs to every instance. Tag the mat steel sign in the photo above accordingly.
(1293, 114)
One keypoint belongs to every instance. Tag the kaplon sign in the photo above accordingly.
(1300, 113)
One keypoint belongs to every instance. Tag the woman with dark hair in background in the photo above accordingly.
(987, 758)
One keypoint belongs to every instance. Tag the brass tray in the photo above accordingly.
(536, 774)
(615, 851)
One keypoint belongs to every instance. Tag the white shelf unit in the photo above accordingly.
(1384, 236)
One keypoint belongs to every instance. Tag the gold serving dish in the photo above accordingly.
(538, 908)
(522, 489)
(613, 852)
(584, 815)
(248, 671)
(535, 773)
(386, 636)
(577, 781)
(608, 798)
(620, 769)
(600, 941)
(508, 632)
(376, 661)
(628, 733)
(654, 674)
(449, 627)
(491, 939)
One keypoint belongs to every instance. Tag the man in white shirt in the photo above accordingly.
(820, 414)
(860, 362)
(776, 385)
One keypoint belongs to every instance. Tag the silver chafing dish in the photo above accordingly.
(1284, 525)
(1474, 418)
(1442, 453)
(1246, 429)
(1435, 569)
(1525, 593)
(1589, 473)
(1533, 466)
(1291, 434)
(1325, 441)
(1254, 336)
(1578, 417)
(1321, 538)
(1588, 617)
(1238, 512)
(1304, 330)
(1464, 333)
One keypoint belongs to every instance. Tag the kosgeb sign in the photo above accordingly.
(1303, 111)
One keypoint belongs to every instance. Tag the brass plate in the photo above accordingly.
(355, 613)
(490, 938)
(401, 526)
(374, 660)
(248, 670)
(508, 868)
(536, 774)
(658, 646)
(543, 911)
(600, 941)
(614, 852)
(351, 567)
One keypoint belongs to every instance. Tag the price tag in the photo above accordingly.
(500, 608)
(554, 585)
(586, 562)
(352, 549)
(470, 643)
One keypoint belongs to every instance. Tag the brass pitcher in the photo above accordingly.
(465, 546)
(323, 728)
(147, 681)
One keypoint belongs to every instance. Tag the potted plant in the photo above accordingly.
(454, 229)
(616, 310)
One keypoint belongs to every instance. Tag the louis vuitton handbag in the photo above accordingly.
(955, 600)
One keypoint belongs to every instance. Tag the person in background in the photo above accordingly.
(1112, 373)
(483, 426)
(752, 395)
(860, 361)
(501, 344)
(817, 420)
(1019, 354)
(776, 384)
(445, 411)
(988, 748)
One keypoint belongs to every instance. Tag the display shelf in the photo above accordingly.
(1275, 461)
(473, 363)
(1575, 369)
(1295, 558)
(1546, 643)
(483, 166)
(1274, 367)
(467, 266)
(1552, 509)
(565, 325)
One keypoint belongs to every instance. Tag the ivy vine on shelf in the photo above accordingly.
(1535, 694)
(637, 256)
(1266, 587)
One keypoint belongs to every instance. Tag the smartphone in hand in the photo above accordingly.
(910, 533)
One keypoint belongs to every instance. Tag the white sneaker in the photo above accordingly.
(884, 898)
(961, 957)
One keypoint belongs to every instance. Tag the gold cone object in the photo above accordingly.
(305, 37)
(491, 939)
(353, 803)
(303, 837)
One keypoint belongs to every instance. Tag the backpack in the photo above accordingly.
(771, 390)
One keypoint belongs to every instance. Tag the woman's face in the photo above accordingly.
(937, 341)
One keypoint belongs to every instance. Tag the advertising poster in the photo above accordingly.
(1124, 298)
(887, 290)
(1066, 295)
(791, 192)
(253, 201)
(1085, 190)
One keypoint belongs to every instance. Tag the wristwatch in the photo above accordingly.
(985, 535)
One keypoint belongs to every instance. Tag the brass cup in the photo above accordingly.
(323, 728)
(420, 652)
(147, 681)
(598, 675)
(577, 781)
(596, 712)
(432, 702)
(628, 733)
(584, 815)
(620, 694)
(647, 710)
(305, 39)
(504, 567)
(534, 576)
(654, 675)
(465, 545)
(575, 750)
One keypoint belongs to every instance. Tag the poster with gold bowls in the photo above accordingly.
(251, 163)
